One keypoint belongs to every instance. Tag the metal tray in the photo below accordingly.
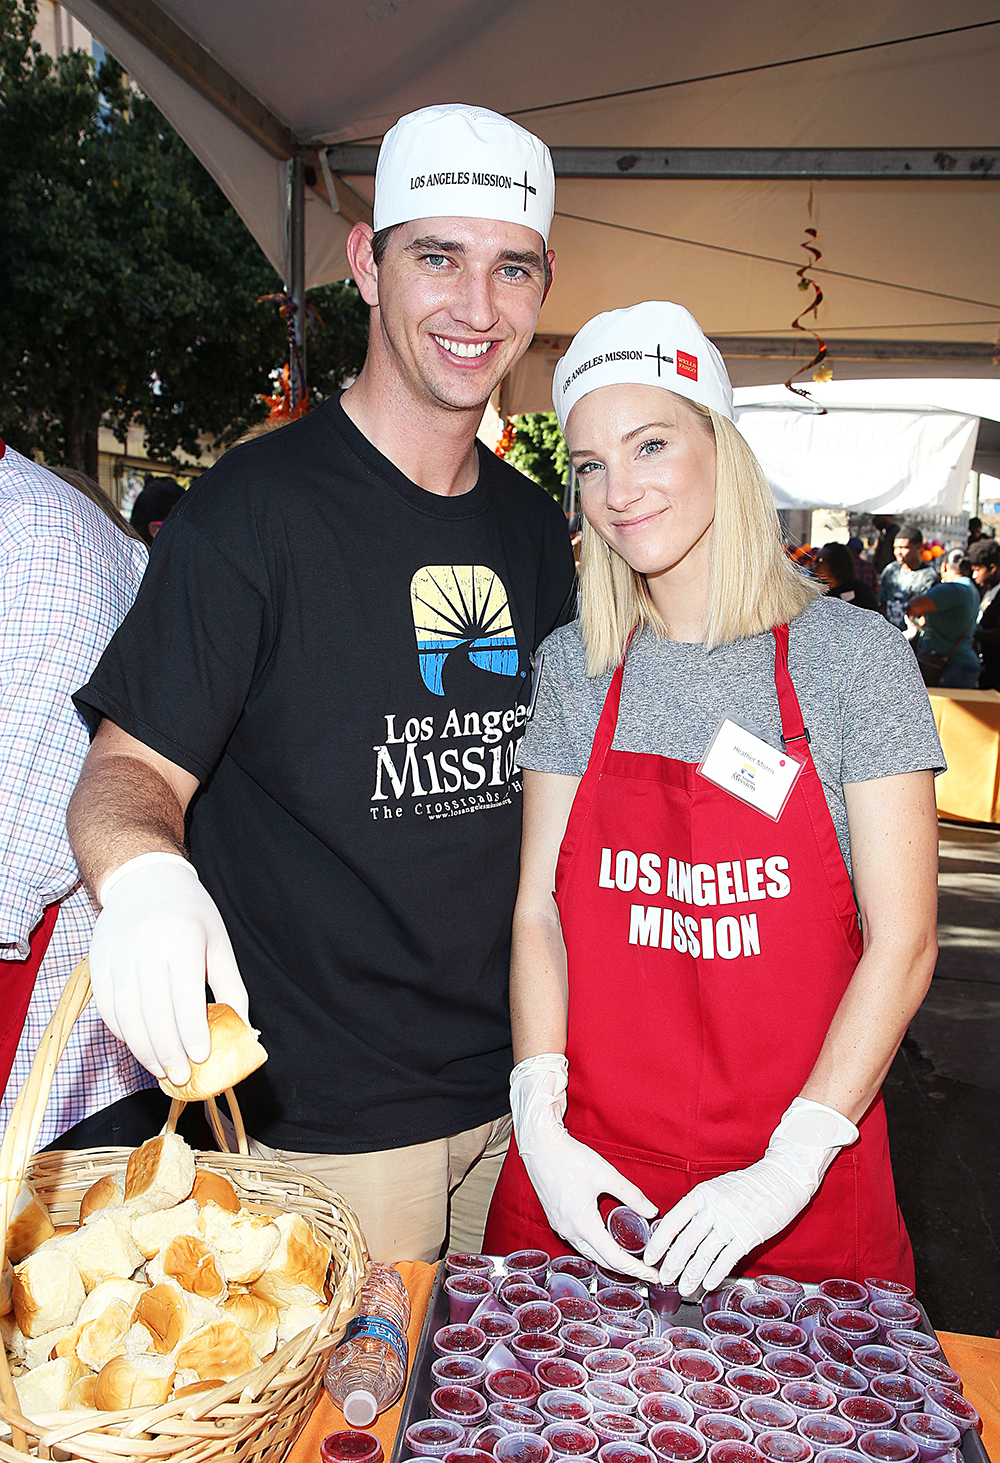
(416, 1403)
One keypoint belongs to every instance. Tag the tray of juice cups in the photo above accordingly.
(571, 1439)
(657, 1407)
(783, 1447)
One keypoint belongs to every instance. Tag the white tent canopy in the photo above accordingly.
(910, 282)
(876, 459)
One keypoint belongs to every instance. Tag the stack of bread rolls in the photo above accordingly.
(168, 1284)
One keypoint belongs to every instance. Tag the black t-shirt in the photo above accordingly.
(344, 660)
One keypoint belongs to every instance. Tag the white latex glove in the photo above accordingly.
(567, 1176)
(723, 1219)
(158, 939)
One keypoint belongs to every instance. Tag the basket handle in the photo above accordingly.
(178, 1105)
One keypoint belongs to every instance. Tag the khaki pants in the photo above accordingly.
(414, 1201)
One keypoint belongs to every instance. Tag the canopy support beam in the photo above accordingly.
(297, 280)
(900, 163)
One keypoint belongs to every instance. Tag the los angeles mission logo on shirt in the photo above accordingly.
(694, 886)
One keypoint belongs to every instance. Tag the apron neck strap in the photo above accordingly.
(605, 733)
(793, 729)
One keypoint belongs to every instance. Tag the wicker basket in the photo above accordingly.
(254, 1417)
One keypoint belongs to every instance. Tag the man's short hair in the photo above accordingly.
(381, 239)
(985, 551)
(911, 533)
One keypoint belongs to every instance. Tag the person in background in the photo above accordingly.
(887, 529)
(984, 556)
(905, 578)
(836, 567)
(68, 575)
(864, 570)
(975, 532)
(156, 500)
(948, 612)
(93, 490)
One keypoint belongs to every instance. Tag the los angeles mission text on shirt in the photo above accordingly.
(476, 770)
(664, 927)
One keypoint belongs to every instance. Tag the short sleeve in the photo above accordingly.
(560, 733)
(177, 673)
(888, 724)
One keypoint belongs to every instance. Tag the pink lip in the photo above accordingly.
(466, 363)
(633, 525)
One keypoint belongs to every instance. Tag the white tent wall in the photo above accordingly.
(871, 460)
(342, 70)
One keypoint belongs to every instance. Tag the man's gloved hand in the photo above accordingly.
(723, 1219)
(158, 939)
(567, 1176)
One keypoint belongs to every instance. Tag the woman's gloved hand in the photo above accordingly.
(567, 1176)
(703, 1237)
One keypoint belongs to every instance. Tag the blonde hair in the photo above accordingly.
(754, 585)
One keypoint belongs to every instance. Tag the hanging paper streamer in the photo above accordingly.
(280, 405)
(820, 372)
(506, 440)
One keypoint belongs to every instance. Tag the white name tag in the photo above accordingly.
(752, 770)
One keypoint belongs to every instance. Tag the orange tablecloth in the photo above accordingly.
(968, 724)
(975, 1358)
(326, 1418)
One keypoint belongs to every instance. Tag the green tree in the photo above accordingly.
(131, 285)
(540, 451)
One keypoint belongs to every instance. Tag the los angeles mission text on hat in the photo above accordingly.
(600, 360)
(730, 882)
(461, 180)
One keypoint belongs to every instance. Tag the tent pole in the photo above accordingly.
(297, 283)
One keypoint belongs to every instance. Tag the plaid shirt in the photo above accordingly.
(67, 579)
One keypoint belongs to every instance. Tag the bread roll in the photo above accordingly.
(193, 1264)
(6, 1289)
(102, 1295)
(296, 1272)
(81, 1394)
(104, 1336)
(103, 1248)
(48, 1290)
(213, 1188)
(29, 1224)
(12, 1337)
(106, 1193)
(47, 1347)
(235, 1053)
(243, 1242)
(48, 1388)
(159, 1174)
(153, 1232)
(164, 1312)
(134, 1381)
(220, 1351)
(191, 1389)
(293, 1320)
(258, 1318)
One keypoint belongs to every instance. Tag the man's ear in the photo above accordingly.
(362, 262)
(551, 257)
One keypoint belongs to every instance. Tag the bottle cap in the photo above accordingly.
(360, 1408)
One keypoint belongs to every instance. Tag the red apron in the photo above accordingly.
(17, 981)
(705, 966)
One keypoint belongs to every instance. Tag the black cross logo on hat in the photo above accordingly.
(527, 189)
(659, 359)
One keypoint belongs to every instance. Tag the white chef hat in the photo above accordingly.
(463, 162)
(652, 344)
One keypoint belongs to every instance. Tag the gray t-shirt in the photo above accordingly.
(862, 699)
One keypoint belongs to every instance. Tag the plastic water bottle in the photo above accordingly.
(367, 1371)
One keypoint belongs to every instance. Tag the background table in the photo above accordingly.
(968, 724)
(975, 1358)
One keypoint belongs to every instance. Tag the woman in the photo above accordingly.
(702, 1001)
(836, 567)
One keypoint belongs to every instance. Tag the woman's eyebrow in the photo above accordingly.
(636, 430)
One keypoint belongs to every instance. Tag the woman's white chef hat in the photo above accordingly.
(463, 162)
(652, 344)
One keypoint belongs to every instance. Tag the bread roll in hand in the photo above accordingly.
(235, 1053)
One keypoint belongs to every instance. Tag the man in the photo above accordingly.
(949, 612)
(67, 577)
(985, 557)
(864, 570)
(975, 532)
(906, 577)
(345, 612)
(887, 529)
